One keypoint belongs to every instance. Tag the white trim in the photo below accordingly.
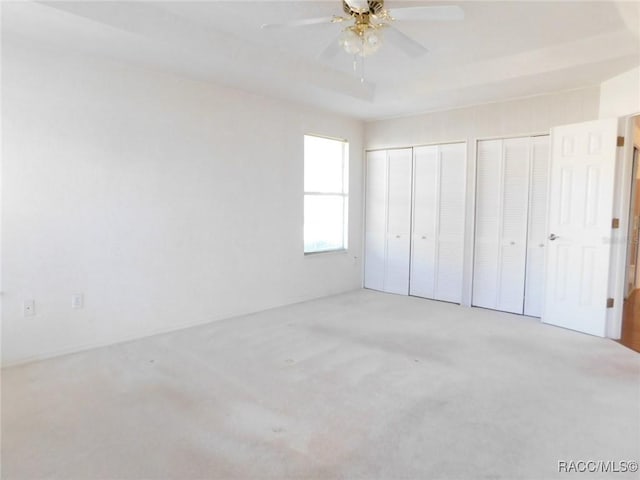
(327, 137)
(418, 145)
(327, 194)
(321, 252)
(363, 193)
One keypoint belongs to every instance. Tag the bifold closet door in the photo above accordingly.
(396, 278)
(425, 217)
(375, 237)
(502, 194)
(388, 220)
(438, 221)
(487, 231)
(537, 234)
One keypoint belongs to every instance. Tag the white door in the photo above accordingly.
(580, 210)
(451, 218)
(513, 234)
(438, 221)
(425, 218)
(487, 231)
(396, 278)
(537, 234)
(502, 194)
(375, 220)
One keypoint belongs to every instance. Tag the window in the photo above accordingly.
(326, 198)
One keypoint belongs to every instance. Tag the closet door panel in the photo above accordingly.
(397, 268)
(375, 220)
(485, 273)
(425, 216)
(537, 232)
(487, 225)
(450, 225)
(398, 221)
(399, 203)
(449, 286)
(511, 287)
(515, 197)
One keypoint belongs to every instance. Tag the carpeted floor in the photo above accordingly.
(361, 385)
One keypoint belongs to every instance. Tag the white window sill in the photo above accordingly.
(340, 251)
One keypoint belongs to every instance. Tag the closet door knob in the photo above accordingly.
(552, 237)
(397, 236)
(424, 237)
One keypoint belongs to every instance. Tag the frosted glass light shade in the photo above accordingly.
(363, 44)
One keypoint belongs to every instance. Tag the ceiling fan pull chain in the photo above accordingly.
(362, 58)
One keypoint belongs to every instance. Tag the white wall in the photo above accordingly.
(620, 95)
(535, 115)
(167, 202)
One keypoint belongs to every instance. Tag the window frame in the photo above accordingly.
(344, 194)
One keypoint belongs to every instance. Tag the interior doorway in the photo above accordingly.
(630, 335)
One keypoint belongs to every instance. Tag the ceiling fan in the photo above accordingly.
(370, 18)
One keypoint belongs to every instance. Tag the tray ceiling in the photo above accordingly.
(501, 50)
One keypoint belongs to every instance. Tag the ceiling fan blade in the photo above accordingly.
(305, 22)
(332, 49)
(405, 43)
(434, 12)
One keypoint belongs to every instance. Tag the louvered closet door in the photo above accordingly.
(502, 191)
(375, 220)
(537, 233)
(396, 279)
(488, 224)
(451, 217)
(425, 216)
(513, 251)
(438, 221)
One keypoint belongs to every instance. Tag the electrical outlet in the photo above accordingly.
(77, 300)
(29, 308)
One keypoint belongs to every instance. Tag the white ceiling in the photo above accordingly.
(501, 50)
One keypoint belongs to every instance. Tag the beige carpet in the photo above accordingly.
(362, 385)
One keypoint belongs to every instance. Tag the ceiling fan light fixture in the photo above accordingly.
(350, 41)
(357, 6)
(359, 41)
(372, 41)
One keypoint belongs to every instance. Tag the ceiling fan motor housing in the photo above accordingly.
(370, 7)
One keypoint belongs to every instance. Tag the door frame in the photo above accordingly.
(635, 167)
(621, 210)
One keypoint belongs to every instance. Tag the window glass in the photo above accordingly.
(326, 201)
(323, 165)
(323, 226)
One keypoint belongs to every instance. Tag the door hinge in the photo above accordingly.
(620, 142)
(609, 302)
(615, 223)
